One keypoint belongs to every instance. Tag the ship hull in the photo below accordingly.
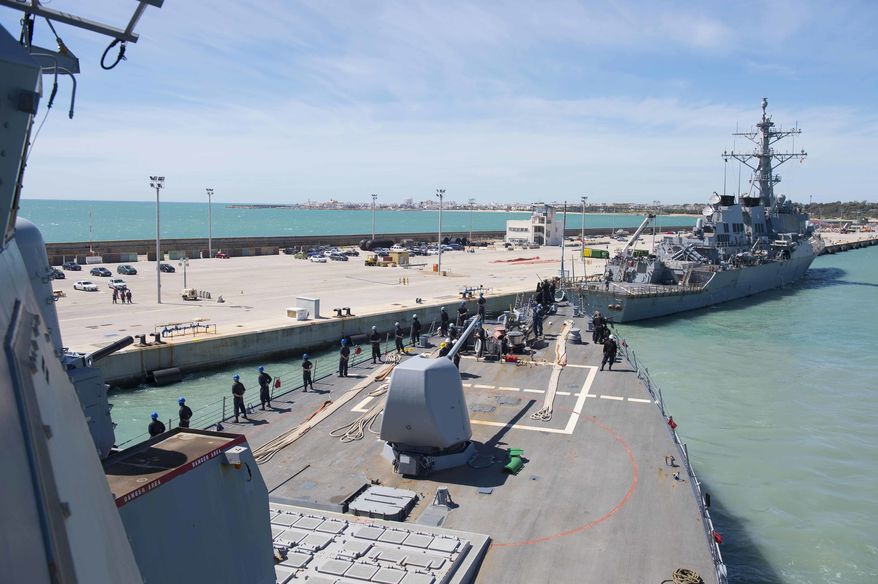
(723, 287)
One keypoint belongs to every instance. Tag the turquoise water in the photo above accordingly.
(61, 221)
(776, 397)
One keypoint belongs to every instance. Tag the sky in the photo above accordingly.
(281, 101)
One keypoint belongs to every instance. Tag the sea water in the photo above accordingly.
(61, 221)
(777, 398)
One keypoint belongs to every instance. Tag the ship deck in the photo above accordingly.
(594, 502)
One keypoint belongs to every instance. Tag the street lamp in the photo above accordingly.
(441, 194)
(184, 263)
(657, 204)
(209, 223)
(374, 198)
(584, 199)
(471, 203)
(157, 182)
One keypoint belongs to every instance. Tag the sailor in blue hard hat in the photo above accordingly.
(185, 414)
(238, 390)
(264, 382)
(307, 368)
(343, 357)
(482, 303)
(155, 427)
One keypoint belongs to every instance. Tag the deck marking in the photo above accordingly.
(483, 386)
(361, 407)
(467, 384)
(640, 401)
(571, 422)
(615, 397)
(509, 389)
(634, 480)
(562, 393)
(533, 390)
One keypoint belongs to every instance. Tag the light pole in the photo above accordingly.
(441, 194)
(184, 263)
(584, 199)
(472, 202)
(209, 223)
(157, 182)
(374, 198)
(656, 204)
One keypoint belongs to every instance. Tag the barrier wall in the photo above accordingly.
(132, 366)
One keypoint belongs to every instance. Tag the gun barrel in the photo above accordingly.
(109, 349)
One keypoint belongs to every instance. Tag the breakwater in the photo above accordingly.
(246, 246)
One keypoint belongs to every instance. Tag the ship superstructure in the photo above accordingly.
(741, 245)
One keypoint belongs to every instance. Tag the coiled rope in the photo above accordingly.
(686, 576)
(268, 450)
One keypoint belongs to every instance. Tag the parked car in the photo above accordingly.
(351, 252)
(72, 266)
(126, 270)
(318, 259)
(117, 283)
(290, 250)
(102, 272)
(57, 274)
(338, 257)
(453, 246)
(167, 268)
(85, 285)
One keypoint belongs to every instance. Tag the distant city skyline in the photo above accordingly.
(278, 102)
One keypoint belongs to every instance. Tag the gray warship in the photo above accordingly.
(527, 469)
(741, 246)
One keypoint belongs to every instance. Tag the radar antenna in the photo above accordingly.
(763, 160)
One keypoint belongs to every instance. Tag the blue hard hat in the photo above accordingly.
(344, 341)
(181, 401)
(261, 369)
(154, 415)
(463, 303)
(305, 356)
(236, 377)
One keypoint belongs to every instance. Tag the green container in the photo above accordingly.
(514, 465)
(515, 452)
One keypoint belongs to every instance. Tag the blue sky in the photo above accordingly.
(281, 101)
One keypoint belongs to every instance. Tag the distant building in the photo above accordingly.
(540, 229)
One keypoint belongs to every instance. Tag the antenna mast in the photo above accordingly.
(763, 160)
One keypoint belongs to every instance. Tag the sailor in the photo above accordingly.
(444, 347)
(416, 330)
(461, 313)
(398, 336)
(598, 320)
(127, 294)
(343, 356)
(538, 320)
(481, 342)
(443, 322)
(609, 352)
(185, 413)
(482, 303)
(238, 398)
(155, 427)
(307, 368)
(375, 340)
(116, 295)
(264, 387)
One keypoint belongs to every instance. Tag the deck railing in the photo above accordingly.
(656, 393)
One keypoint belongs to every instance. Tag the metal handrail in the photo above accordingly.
(656, 394)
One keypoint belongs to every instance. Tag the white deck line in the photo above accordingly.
(361, 407)
(614, 397)
(571, 422)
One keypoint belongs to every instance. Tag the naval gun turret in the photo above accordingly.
(426, 422)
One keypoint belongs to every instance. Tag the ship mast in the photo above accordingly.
(763, 160)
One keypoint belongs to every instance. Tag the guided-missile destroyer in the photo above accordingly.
(740, 246)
